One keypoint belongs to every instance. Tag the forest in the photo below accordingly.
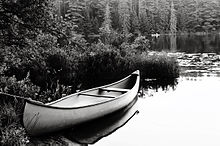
(141, 16)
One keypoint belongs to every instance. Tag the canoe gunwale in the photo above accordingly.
(48, 105)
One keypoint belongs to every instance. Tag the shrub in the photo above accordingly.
(138, 46)
(141, 43)
(11, 130)
(104, 67)
(23, 88)
(50, 67)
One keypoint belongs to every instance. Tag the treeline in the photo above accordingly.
(141, 16)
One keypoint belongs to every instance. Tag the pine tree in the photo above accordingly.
(124, 14)
(135, 25)
(107, 19)
(92, 19)
(173, 20)
(142, 9)
(74, 12)
(173, 30)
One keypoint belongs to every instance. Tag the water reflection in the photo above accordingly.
(91, 132)
(179, 113)
(173, 46)
(187, 43)
(182, 112)
(189, 115)
(164, 84)
(195, 71)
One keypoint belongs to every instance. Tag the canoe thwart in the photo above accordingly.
(114, 90)
(105, 96)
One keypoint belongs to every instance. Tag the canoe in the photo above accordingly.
(74, 109)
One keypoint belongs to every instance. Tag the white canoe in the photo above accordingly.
(80, 107)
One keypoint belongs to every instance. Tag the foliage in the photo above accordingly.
(50, 68)
(104, 67)
(23, 19)
(12, 133)
(134, 47)
(105, 63)
(142, 43)
(90, 20)
(23, 88)
(158, 66)
(124, 16)
(107, 19)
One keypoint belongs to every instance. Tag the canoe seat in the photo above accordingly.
(105, 96)
(115, 90)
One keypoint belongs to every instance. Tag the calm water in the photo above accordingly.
(187, 115)
(209, 43)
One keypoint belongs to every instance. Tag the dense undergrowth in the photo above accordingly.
(45, 72)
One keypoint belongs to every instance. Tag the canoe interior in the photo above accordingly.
(97, 95)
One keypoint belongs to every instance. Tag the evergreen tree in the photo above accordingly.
(115, 16)
(124, 14)
(107, 19)
(142, 9)
(173, 21)
(135, 25)
(92, 17)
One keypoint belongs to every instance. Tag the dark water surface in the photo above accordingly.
(188, 43)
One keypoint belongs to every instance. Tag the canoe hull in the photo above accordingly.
(40, 119)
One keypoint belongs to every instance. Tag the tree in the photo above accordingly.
(115, 16)
(92, 17)
(135, 25)
(173, 21)
(107, 19)
(124, 15)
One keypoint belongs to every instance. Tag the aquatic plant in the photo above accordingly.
(158, 66)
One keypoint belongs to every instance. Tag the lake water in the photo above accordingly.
(187, 43)
(188, 114)
(184, 113)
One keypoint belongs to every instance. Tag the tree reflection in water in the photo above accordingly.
(147, 85)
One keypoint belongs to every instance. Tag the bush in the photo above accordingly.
(138, 46)
(49, 66)
(11, 130)
(104, 67)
